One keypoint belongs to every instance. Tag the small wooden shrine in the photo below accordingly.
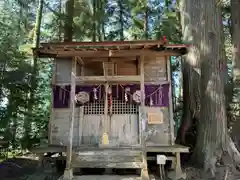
(112, 102)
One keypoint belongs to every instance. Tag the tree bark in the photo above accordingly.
(121, 20)
(146, 16)
(189, 10)
(60, 23)
(68, 32)
(212, 129)
(235, 27)
(235, 18)
(36, 42)
(94, 23)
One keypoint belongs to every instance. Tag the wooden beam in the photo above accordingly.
(108, 78)
(144, 172)
(106, 59)
(80, 60)
(68, 170)
(169, 78)
(105, 135)
(99, 164)
(52, 102)
(80, 125)
(105, 43)
(163, 81)
(107, 53)
(142, 88)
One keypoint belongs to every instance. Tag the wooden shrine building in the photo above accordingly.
(112, 103)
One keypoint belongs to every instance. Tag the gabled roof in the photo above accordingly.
(109, 49)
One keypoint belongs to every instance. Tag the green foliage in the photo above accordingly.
(16, 69)
(102, 19)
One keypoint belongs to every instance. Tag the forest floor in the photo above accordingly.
(222, 173)
(27, 169)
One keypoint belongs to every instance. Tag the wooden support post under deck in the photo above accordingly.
(143, 120)
(68, 173)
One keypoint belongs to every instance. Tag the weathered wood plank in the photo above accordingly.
(172, 149)
(72, 119)
(150, 148)
(80, 125)
(171, 120)
(108, 78)
(112, 152)
(108, 177)
(155, 70)
(110, 53)
(105, 133)
(124, 129)
(144, 171)
(110, 159)
(92, 129)
(157, 148)
(123, 165)
(159, 133)
(162, 80)
(63, 69)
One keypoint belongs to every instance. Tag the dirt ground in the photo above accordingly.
(24, 169)
(27, 169)
(222, 173)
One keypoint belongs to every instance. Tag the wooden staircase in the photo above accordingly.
(110, 159)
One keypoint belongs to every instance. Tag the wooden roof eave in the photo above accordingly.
(108, 53)
(110, 49)
(118, 44)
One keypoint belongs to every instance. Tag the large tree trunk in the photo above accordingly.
(190, 10)
(60, 23)
(121, 19)
(68, 32)
(101, 20)
(235, 15)
(36, 42)
(235, 26)
(94, 23)
(212, 129)
(146, 16)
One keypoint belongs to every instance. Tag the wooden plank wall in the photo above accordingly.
(63, 71)
(159, 133)
(124, 128)
(60, 126)
(155, 71)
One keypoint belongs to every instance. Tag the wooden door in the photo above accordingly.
(123, 124)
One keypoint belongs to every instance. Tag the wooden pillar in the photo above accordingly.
(105, 138)
(53, 82)
(170, 110)
(68, 173)
(143, 120)
(80, 125)
(178, 174)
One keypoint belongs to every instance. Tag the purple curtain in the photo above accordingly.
(156, 95)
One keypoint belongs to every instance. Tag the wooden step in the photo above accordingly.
(107, 159)
(107, 177)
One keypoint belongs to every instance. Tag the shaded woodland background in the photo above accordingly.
(206, 80)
